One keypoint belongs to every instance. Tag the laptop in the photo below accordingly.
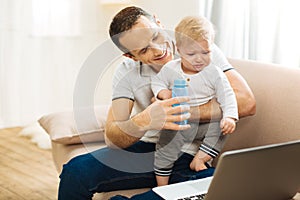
(270, 172)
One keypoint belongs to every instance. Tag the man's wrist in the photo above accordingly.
(204, 113)
(195, 114)
(140, 123)
(133, 127)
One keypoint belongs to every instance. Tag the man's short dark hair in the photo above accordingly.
(123, 21)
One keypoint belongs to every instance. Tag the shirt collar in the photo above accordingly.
(146, 70)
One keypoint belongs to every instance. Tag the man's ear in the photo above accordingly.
(128, 55)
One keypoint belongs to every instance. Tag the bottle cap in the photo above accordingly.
(180, 82)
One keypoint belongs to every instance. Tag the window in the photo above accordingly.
(265, 30)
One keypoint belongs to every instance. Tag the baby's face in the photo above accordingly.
(195, 55)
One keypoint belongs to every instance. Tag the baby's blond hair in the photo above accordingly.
(195, 28)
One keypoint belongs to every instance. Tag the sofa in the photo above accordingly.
(277, 92)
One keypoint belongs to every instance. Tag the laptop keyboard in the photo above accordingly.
(193, 197)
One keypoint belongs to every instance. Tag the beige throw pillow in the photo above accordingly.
(77, 126)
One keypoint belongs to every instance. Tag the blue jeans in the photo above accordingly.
(108, 169)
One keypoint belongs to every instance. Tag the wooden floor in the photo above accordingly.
(26, 172)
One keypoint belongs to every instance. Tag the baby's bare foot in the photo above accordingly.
(197, 164)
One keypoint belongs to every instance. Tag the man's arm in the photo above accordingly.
(245, 100)
(122, 130)
(119, 112)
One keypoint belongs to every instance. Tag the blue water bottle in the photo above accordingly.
(179, 89)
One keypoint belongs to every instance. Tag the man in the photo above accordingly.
(148, 47)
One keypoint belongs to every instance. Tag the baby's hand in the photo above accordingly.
(164, 94)
(227, 125)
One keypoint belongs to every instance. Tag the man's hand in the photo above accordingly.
(122, 131)
(209, 112)
(227, 125)
(160, 115)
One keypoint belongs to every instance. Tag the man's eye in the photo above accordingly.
(143, 51)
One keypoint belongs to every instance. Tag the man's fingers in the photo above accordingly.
(178, 109)
(176, 100)
(178, 118)
(153, 99)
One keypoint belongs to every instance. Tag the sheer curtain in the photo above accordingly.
(42, 46)
(56, 18)
(264, 30)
